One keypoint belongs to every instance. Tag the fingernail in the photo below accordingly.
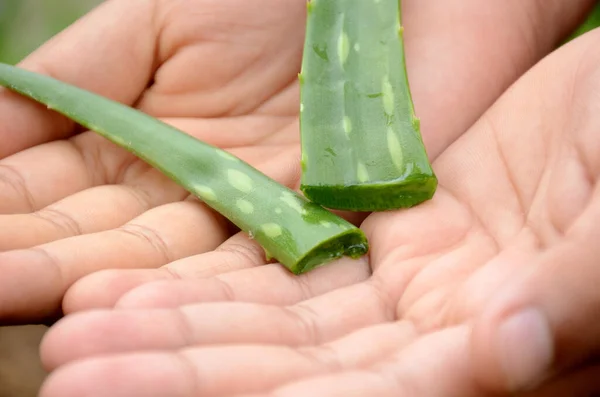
(525, 348)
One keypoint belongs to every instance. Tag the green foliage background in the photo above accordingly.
(26, 24)
(592, 22)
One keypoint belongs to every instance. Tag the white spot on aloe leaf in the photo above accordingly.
(278, 210)
(387, 95)
(326, 224)
(361, 173)
(343, 47)
(347, 126)
(357, 47)
(204, 192)
(245, 206)
(271, 230)
(240, 181)
(395, 149)
(293, 202)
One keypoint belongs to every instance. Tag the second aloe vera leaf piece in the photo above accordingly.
(361, 143)
(299, 234)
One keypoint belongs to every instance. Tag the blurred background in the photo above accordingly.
(24, 26)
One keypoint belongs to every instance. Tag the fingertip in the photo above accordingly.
(57, 384)
(104, 332)
(140, 374)
(68, 339)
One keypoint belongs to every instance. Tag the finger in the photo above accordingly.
(35, 280)
(104, 289)
(232, 369)
(315, 321)
(270, 284)
(89, 160)
(71, 166)
(235, 271)
(85, 161)
(110, 56)
(90, 211)
(27, 184)
(453, 48)
(195, 372)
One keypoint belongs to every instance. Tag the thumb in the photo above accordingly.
(547, 322)
(109, 51)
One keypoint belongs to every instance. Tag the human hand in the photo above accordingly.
(513, 225)
(224, 71)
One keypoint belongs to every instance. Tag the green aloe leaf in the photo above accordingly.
(298, 233)
(361, 144)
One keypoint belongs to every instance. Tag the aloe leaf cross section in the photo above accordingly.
(362, 148)
(298, 233)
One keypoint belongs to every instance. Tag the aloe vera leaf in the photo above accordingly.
(299, 234)
(362, 148)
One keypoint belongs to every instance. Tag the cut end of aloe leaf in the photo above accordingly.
(376, 196)
(351, 243)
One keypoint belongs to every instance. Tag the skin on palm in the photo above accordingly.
(500, 216)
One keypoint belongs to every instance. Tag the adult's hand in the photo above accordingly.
(224, 71)
(488, 289)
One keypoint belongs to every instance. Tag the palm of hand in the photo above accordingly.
(221, 75)
(433, 267)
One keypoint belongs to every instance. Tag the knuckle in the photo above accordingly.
(149, 236)
(14, 181)
(60, 220)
